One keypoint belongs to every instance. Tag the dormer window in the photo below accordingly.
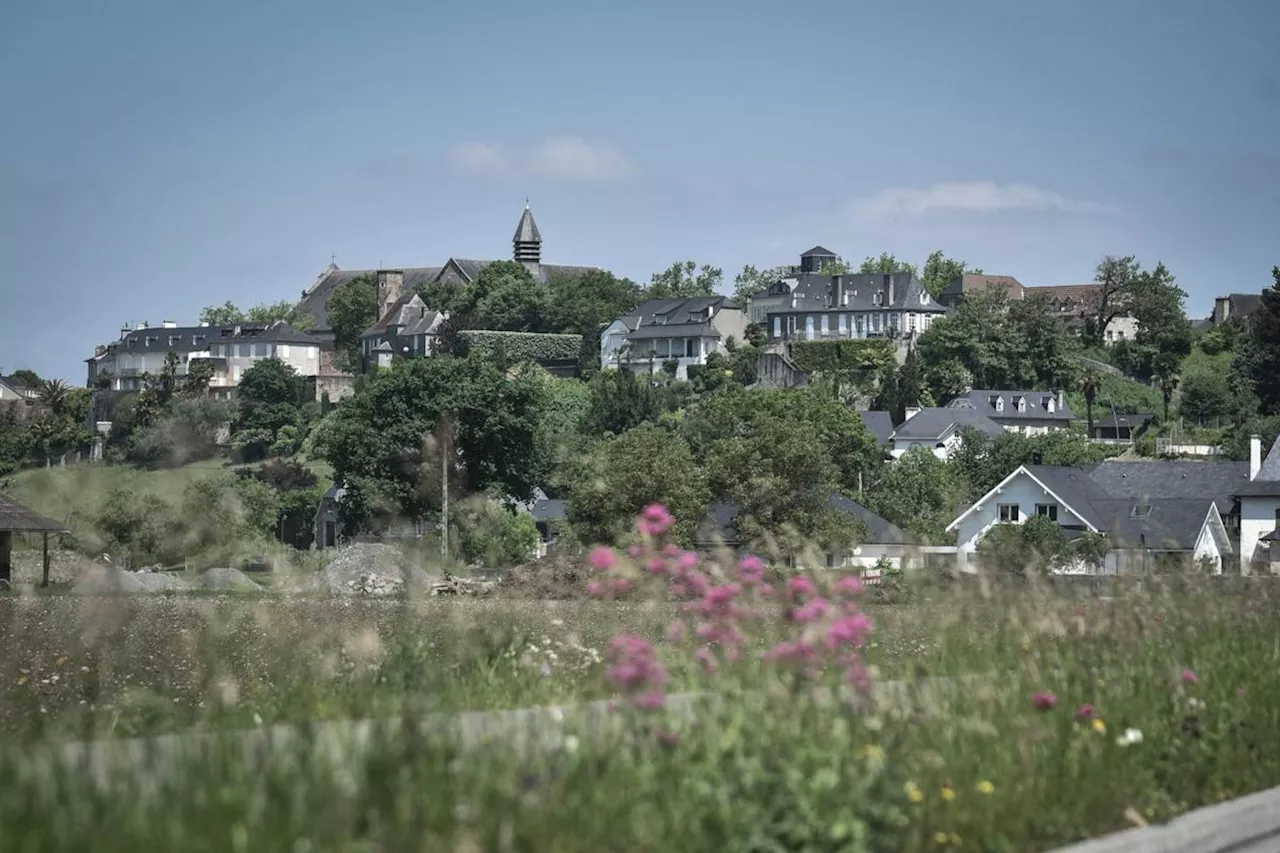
(660, 320)
(1052, 406)
(999, 404)
(1141, 511)
(1022, 404)
(877, 298)
(174, 340)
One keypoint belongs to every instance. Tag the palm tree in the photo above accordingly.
(1089, 385)
(53, 393)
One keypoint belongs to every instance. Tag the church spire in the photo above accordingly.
(528, 241)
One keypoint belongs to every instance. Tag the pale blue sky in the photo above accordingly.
(158, 156)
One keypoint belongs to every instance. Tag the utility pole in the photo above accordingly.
(444, 501)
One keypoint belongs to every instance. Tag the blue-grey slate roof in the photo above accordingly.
(900, 291)
(879, 424)
(1037, 405)
(718, 525)
(1152, 480)
(938, 423)
(1267, 483)
(1076, 489)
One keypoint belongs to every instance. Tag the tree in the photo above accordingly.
(1205, 397)
(623, 474)
(684, 279)
(911, 389)
(885, 264)
(751, 282)
(1258, 358)
(1036, 546)
(1165, 367)
(352, 308)
(584, 305)
(226, 314)
(1115, 278)
(28, 378)
(270, 397)
(919, 493)
(1156, 302)
(939, 271)
(1090, 382)
(620, 402)
(982, 461)
(53, 393)
(385, 441)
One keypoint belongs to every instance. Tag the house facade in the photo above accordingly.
(13, 390)
(1260, 511)
(685, 331)
(1143, 535)
(972, 283)
(122, 364)
(813, 305)
(406, 326)
(939, 430)
(1112, 427)
(1023, 412)
(1073, 303)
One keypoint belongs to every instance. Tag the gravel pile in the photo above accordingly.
(102, 580)
(226, 579)
(371, 569)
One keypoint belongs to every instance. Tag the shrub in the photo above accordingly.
(494, 536)
(519, 346)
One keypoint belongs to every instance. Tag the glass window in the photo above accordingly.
(777, 327)
(1048, 510)
(1008, 513)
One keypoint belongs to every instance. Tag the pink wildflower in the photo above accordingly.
(657, 565)
(1085, 712)
(1044, 701)
(801, 586)
(849, 585)
(687, 561)
(811, 611)
(635, 669)
(797, 651)
(636, 551)
(594, 589)
(655, 520)
(621, 585)
(751, 569)
(675, 632)
(670, 551)
(849, 631)
(1189, 677)
(707, 659)
(603, 558)
(857, 677)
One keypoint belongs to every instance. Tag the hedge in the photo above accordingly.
(521, 346)
(857, 356)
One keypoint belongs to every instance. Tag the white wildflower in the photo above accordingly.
(570, 744)
(1130, 737)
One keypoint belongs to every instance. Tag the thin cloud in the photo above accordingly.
(482, 158)
(968, 197)
(575, 159)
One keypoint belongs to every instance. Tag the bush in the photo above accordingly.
(494, 536)
(519, 346)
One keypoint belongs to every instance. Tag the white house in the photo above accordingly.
(1023, 412)
(1143, 534)
(1260, 511)
(682, 330)
(406, 327)
(13, 389)
(939, 430)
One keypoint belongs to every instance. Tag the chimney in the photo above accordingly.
(1062, 399)
(909, 412)
(1255, 456)
(169, 324)
(390, 285)
(124, 331)
(837, 291)
(143, 325)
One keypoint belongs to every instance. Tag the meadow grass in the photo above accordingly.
(1098, 712)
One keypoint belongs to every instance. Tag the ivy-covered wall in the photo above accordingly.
(520, 346)
(859, 357)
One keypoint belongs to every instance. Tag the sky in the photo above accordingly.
(156, 157)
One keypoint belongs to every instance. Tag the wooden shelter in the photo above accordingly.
(16, 518)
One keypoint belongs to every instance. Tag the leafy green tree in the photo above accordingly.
(939, 271)
(385, 442)
(885, 264)
(226, 314)
(494, 536)
(352, 308)
(1090, 382)
(625, 473)
(1037, 546)
(982, 461)
(685, 279)
(560, 428)
(1205, 397)
(751, 282)
(620, 402)
(1116, 277)
(1258, 357)
(270, 396)
(584, 305)
(28, 378)
(920, 493)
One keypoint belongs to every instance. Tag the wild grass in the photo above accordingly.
(1045, 750)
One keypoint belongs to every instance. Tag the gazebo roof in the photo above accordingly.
(16, 518)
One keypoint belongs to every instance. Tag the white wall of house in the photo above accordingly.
(1257, 519)
(941, 449)
(866, 557)
(1207, 548)
(730, 323)
(7, 393)
(1021, 492)
(241, 355)
(1120, 329)
(612, 340)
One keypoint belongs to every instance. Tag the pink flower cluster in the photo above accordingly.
(719, 603)
(634, 669)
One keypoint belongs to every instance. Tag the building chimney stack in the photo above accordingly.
(1062, 399)
(390, 286)
(169, 324)
(1255, 456)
